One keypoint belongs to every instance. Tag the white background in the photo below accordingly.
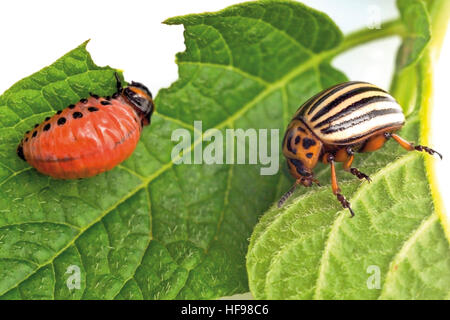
(129, 35)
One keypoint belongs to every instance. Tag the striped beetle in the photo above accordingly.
(346, 118)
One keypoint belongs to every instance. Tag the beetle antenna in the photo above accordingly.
(316, 182)
(118, 82)
(288, 194)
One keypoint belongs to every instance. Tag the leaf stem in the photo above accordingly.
(360, 37)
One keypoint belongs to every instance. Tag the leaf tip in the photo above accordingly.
(85, 43)
(174, 20)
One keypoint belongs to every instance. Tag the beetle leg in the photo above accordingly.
(410, 146)
(347, 166)
(335, 187)
(360, 174)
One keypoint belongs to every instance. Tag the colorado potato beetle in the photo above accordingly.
(334, 124)
(89, 137)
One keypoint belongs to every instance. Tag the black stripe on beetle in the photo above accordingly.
(329, 93)
(354, 106)
(368, 134)
(310, 101)
(344, 97)
(360, 119)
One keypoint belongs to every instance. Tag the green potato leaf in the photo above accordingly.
(151, 229)
(397, 245)
(417, 34)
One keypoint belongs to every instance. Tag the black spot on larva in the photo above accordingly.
(108, 98)
(47, 127)
(71, 106)
(115, 95)
(58, 112)
(46, 119)
(105, 103)
(307, 142)
(34, 134)
(92, 109)
(36, 125)
(135, 120)
(83, 100)
(77, 115)
(26, 139)
(61, 121)
(94, 95)
(297, 139)
(309, 155)
(27, 132)
(20, 153)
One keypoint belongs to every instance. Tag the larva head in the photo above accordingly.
(302, 150)
(141, 99)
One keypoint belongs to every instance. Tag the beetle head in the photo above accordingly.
(302, 149)
(141, 99)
